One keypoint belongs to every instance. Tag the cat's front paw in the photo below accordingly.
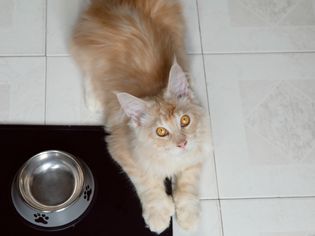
(157, 214)
(187, 212)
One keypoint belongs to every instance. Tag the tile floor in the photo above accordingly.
(253, 63)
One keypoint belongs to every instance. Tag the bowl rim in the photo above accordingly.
(24, 190)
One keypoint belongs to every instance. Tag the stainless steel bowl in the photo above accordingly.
(52, 189)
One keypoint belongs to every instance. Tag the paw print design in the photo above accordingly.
(87, 193)
(41, 218)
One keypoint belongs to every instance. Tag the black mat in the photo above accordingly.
(115, 210)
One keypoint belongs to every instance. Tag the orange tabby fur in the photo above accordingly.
(136, 47)
(138, 37)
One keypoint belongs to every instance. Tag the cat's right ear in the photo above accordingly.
(134, 107)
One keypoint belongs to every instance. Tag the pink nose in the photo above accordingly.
(182, 144)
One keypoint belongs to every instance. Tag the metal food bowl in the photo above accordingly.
(52, 189)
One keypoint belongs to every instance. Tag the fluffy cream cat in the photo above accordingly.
(132, 55)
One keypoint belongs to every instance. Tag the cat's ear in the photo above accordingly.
(178, 85)
(134, 107)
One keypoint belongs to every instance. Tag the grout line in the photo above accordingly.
(45, 111)
(46, 28)
(259, 53)
(221, 217)
(30, 55)
(59, 55)
(202, 55)
(256, 198)
(268, 198)
(205, 81)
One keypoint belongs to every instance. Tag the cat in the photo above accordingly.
(132, 55)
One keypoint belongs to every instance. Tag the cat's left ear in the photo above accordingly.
(178, 85)
(135, 108)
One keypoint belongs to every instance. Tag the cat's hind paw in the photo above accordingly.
(157, 215)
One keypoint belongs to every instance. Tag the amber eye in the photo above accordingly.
(162, 132)
(184, 120)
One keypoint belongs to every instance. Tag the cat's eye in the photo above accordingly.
(184, 121)
(162, 132)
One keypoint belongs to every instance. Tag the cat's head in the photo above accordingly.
(170, 122)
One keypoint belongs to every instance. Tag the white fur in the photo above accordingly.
(91, 102)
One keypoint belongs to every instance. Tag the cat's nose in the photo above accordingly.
(182, 144)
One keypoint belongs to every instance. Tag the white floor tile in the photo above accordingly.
(65, 99)
(193, 43)
(22, 90)
(62, 16)
(269, 217)
(22, 27)
(198, 80)
(262, 109)
(208, 183)
(210, 223)
(257, 25)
